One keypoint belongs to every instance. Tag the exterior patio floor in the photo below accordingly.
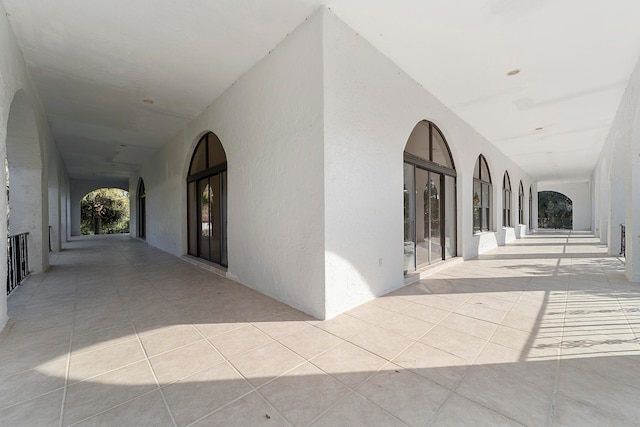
(542, 332)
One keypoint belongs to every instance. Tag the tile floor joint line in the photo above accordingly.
(353, 392)
(68, 367)
(110, 408)
(155, 378)
(586, 297)
(254, 389)
(208, 414)
(552, 406)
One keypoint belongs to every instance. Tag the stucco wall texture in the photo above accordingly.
(314, 136)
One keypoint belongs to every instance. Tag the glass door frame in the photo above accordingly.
(417, 163)
(194, 212)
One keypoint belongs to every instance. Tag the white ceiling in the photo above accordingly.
(93, 63)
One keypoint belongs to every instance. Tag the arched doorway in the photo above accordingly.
(28, 204)
(142, 211)
(207, 201)
(429, 198)
(105, 211)
(555, 210)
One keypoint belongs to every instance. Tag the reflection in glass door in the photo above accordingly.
(211, 242)
(429, 198)
(432, 238)
(205, 212)
(409, 219)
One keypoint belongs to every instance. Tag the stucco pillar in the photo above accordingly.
(602, 201)
(617, 189)
(632, 240)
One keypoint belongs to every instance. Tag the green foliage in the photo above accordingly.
(555, 210)
(105, 211)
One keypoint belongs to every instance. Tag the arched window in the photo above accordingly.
(429, 198)
(207, 201)
(142, 211)
(506, 201)
(530, 208)
(482, 190)
(520, 204)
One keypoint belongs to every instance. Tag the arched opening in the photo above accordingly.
(507, 220)
(27, 207)
(429, 198)
(482, 193)
(555, 210)
(521, 204)
(105, 211)
(142, 211)
(207, 201)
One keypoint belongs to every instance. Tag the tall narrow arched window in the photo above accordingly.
(207, 201)
(482, 191)
(142, 211)
(506, 201)
(530, 208)
(429, 198)
(520, 204)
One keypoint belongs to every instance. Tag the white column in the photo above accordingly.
(633, 207)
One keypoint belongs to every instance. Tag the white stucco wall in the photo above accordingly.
(57, 196)
(270, 122)
(14, 80)
(618, 175)
(580, 195)
(314, 136)
(632, 217)
(371, 107)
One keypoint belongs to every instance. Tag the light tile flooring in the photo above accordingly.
(542, 332)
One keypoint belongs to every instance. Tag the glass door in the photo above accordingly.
(212, 241)
(432, 209)
(204, 189)
(409, 219)
(426, 239)
(423, 212)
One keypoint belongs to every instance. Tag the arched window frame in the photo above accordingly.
(520, 204)
(507, 201)
(431, 154)
(482, 196)
(208, 160)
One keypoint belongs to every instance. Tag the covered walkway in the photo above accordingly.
(541, 332)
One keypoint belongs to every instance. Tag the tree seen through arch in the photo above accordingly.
(555, 210)
(105, 211)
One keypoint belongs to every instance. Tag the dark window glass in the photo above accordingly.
(482, 189)
(216, 152)
(199, 160)
(506, 201)
(520, 204)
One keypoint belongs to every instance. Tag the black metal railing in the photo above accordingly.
(623, 232)
(17, 260)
